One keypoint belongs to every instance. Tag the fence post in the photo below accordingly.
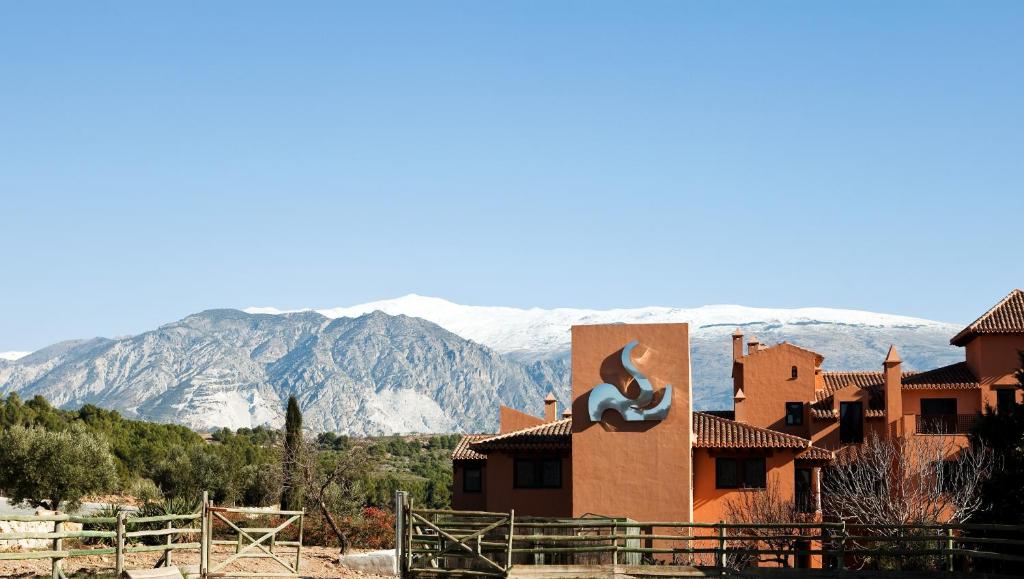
(58, 544)
(169, 542)
(204, 539)
(408, 530)
(399, 533)
(511, 532)
(722, 561)
(841, 557)
(949, 549)
(119, 565)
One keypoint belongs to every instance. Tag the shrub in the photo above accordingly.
(145, 491)
(48, 469)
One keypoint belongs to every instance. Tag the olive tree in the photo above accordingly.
(52, 468)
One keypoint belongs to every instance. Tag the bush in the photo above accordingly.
(187, 472)
(374, 530)
(144, 490)
(48, 469)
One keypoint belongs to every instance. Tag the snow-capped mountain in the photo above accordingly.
(12, 356)
(538, 331)
(414, 364)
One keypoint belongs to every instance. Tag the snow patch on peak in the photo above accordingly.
(508, 329)
(12, 356)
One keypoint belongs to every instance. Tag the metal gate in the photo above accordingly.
(249, 542)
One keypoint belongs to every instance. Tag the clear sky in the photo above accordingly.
(161, 158)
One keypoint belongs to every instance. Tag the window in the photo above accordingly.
(1005, 400)
(794, 413)
(472, 479)
(938, 415)
(734, 473)
(793, 373)
(538, 473)
(851, 422)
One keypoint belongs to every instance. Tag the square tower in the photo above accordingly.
(633, 458)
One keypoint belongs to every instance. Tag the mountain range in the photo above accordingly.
(414, 364)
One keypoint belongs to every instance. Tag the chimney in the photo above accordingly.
(753, 345)
(567, 413)
(737, 345)
(893, 392)
(550, 408)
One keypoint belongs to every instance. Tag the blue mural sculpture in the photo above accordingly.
(609, 397)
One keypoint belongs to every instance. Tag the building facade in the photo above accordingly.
(632, 446)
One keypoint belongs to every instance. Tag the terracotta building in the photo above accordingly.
(632, 446)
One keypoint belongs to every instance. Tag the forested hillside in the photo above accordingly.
(156, 461)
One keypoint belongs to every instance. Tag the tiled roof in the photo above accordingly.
(547, 435)
(711, 432)
(464, 452)
(824, 411)
(1006, 317)
(836, 381)
(715, 432)
(815, 453)
(953, 377)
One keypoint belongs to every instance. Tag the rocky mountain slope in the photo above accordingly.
(412, 364)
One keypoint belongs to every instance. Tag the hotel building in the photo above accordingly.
(632, 446)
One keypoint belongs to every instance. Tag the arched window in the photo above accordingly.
(793, 372)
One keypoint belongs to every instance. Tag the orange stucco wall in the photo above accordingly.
(639, 470)
(768, 384)
(710, 504)
(461, 500)
(995, 359)
(511, 419)
(502, 496)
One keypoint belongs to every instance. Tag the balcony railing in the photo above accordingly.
(945, 423)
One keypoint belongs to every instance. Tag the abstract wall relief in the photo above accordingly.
(609, 397)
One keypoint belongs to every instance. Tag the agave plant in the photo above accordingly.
(110, 511)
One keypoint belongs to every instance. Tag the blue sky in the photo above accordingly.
(160, 158)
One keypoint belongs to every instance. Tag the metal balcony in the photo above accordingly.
(945, 423)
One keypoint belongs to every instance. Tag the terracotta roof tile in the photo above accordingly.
(464, 452)
(1006, 317)
(815, 453)
(824, 411)
(835, 381)
(953, 377)
(711, 432)
(548, 435)
(715, 432)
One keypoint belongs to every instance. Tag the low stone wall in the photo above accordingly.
(31, 527)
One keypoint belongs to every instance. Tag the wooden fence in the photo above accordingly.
(127, 534)
(126, 531)
(444, 542)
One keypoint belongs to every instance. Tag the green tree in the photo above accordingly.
(1003, 432)
(291, 497)
(187, 472)
(54, 468)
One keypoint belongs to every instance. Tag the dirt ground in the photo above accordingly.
(317, 563)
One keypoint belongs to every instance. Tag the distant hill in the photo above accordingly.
(414, 364)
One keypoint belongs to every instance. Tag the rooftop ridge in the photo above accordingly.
(1010, 314)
